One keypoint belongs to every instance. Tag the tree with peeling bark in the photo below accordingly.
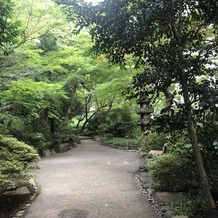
(175, 41)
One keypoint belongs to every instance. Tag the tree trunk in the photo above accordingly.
(72, 99)
(199, 163)
(183, 76)
(194, 142)
(86, 122)
(52, 130)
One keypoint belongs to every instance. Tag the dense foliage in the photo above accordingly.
(66, 87)
(8, 27)
(32, 108)
(118, 122)
(53, 85)
(173, 173)
(15, 157)
(176, 43)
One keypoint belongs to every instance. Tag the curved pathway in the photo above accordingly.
(90, 181)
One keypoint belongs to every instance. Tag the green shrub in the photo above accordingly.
(4, 120)
(172, 173)
(183, 148)
(37, 139)
(120, 142)
(191, 204)
(154, 141)
(184, 207)
(15, 157)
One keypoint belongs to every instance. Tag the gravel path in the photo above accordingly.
(90, 181)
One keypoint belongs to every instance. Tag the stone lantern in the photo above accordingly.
(145, 113)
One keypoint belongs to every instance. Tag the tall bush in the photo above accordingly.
(171, 172)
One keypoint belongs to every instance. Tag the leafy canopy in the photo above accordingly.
(8, 27)
(28, 98)
(176, 42)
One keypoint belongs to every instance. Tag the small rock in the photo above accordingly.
(168, 197)
(53, 152)
(20, 213)
(169, 214)
(144, 178)
(144, 192)
(27, 205)
(32, 198)
(62, 148)
(150, 200)
(47, 153)
(142, 154)
(146, 185)
(76, 139)
(160, 213)
(165, 208)
(150, 191)
(19, 191)
(181, 216)
(72, 147)
(32, 182)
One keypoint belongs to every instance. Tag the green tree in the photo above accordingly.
(177, 43)
(8, 27)
(40, 27)
(47, 50)
(38, 18)
(37, 106)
